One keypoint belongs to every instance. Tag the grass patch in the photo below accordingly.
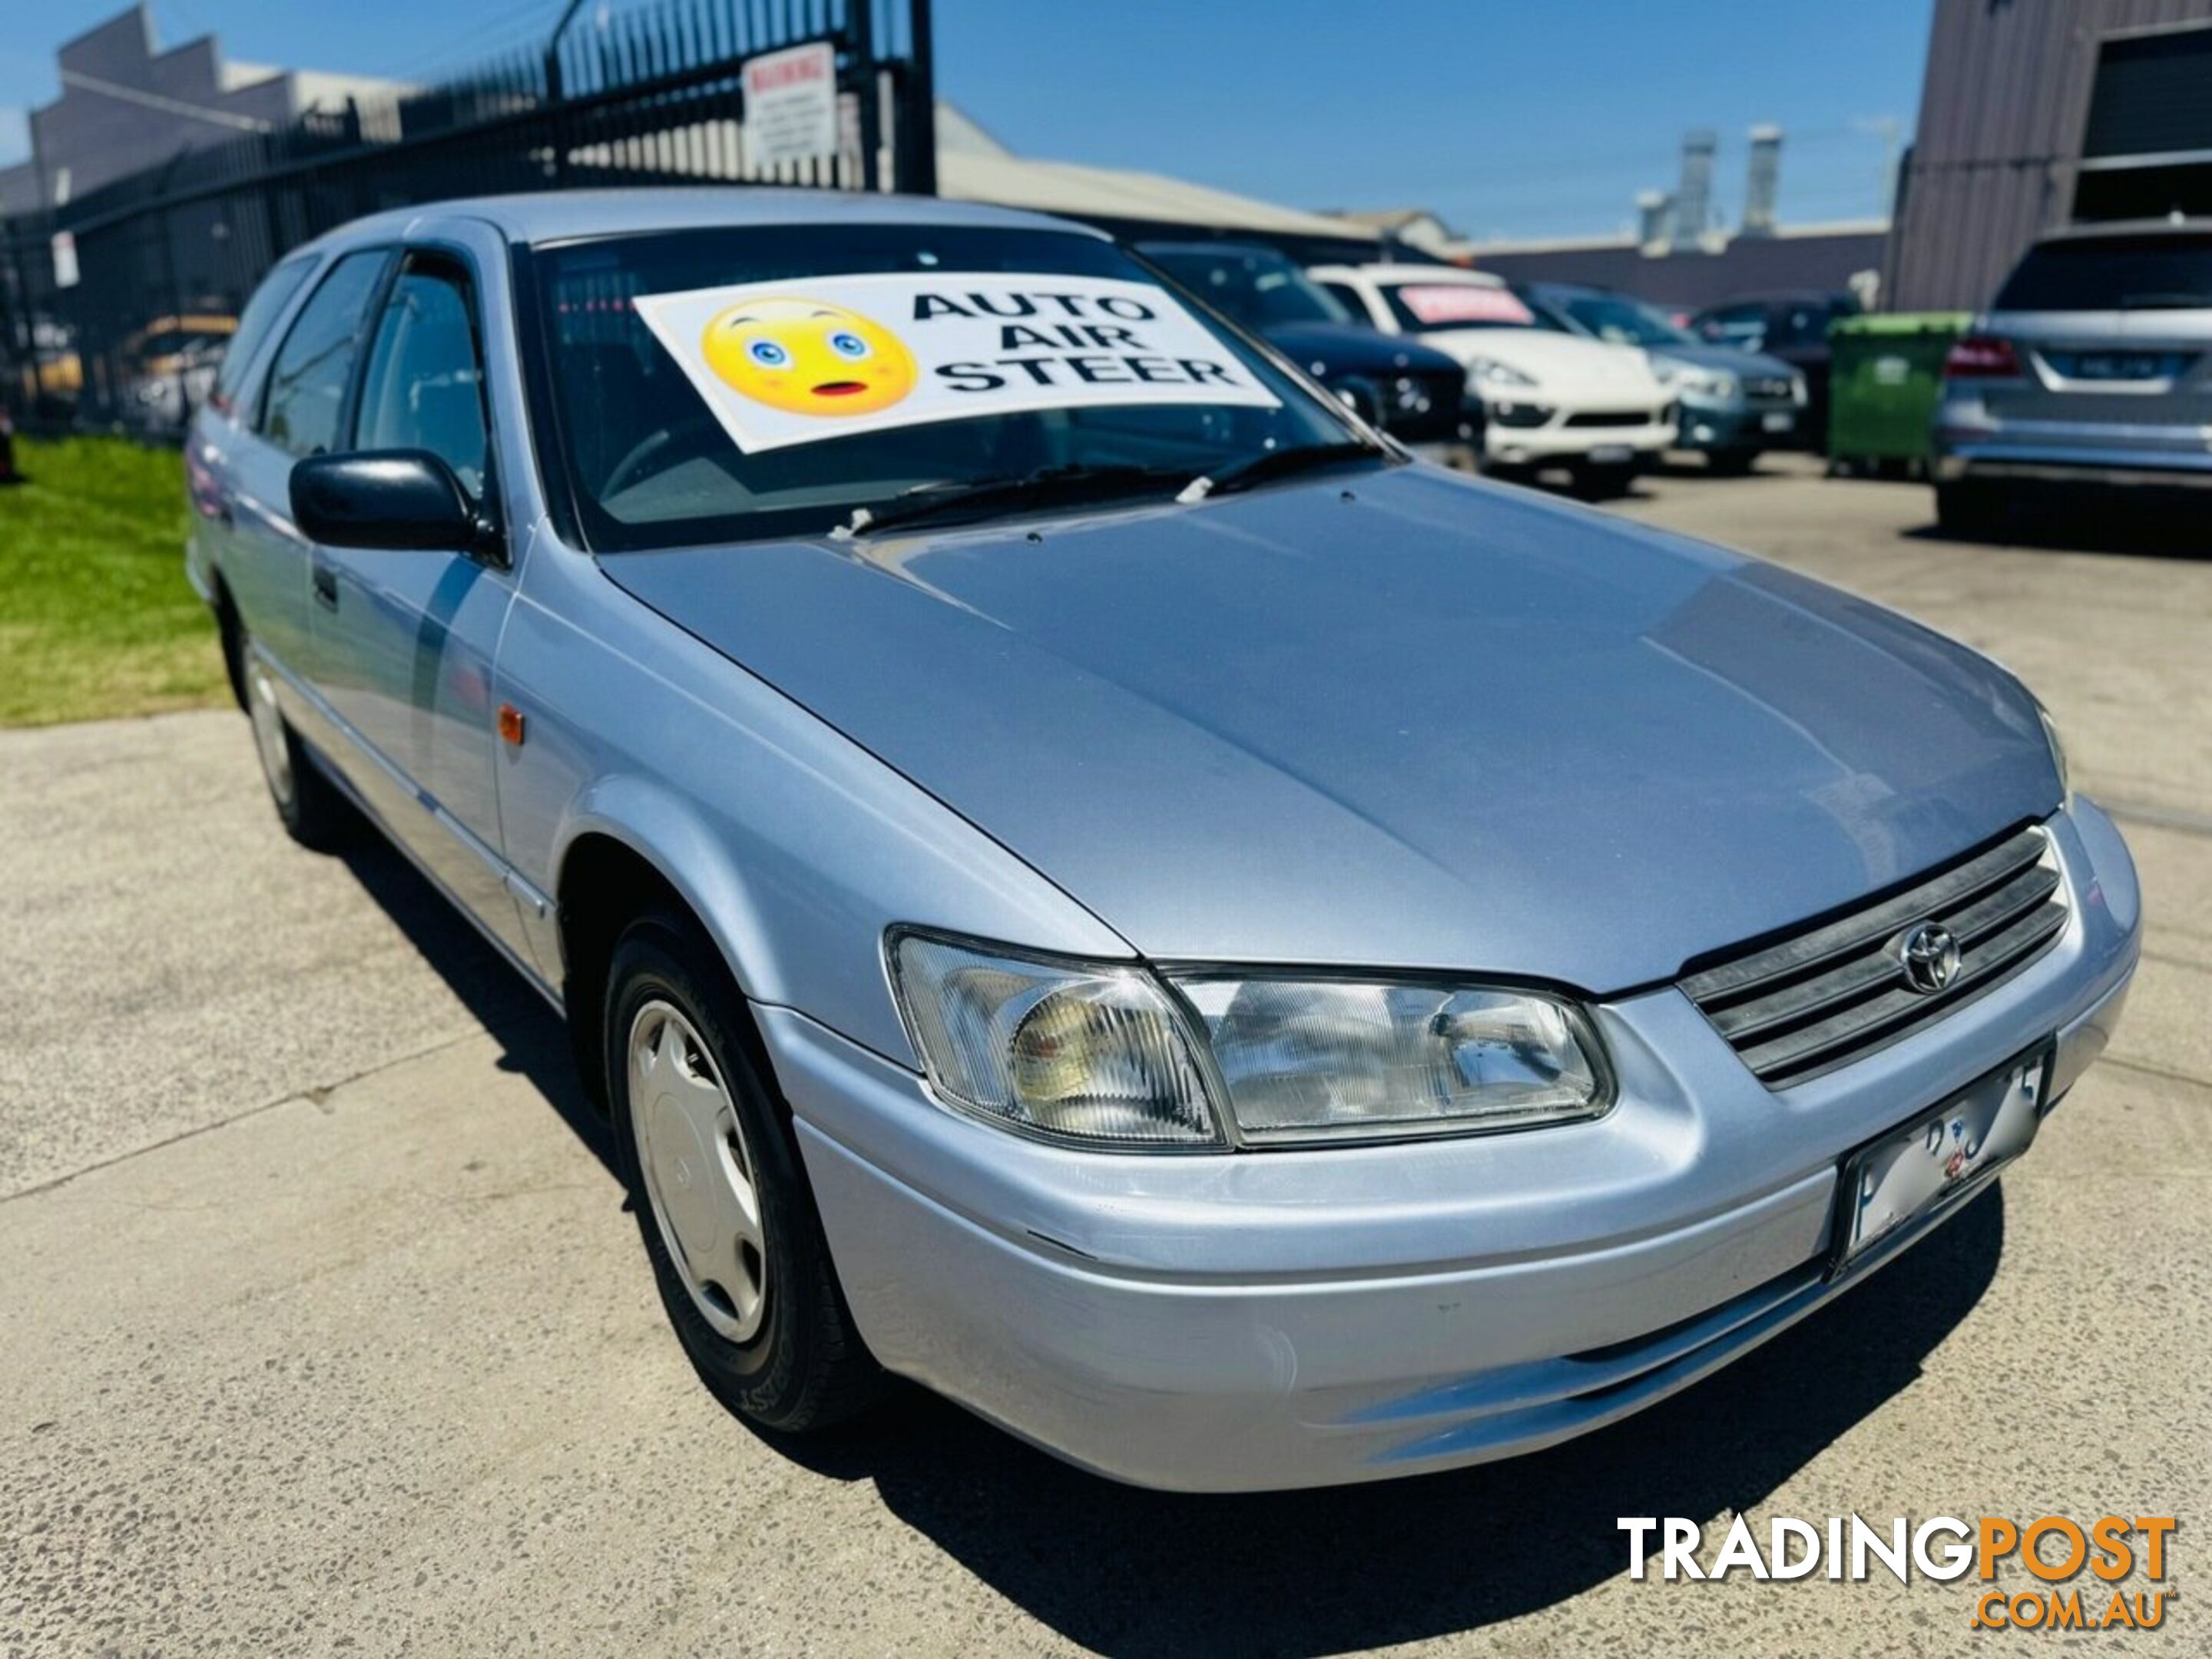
(96, 618)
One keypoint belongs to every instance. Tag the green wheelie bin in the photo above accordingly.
(1885, 370)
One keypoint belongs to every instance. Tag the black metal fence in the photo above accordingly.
(114, 309)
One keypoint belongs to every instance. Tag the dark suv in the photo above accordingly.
(1793, 327)
(1414, 392)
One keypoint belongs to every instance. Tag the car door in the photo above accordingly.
(263, 559)
(405, 640)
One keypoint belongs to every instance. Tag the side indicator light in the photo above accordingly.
(510, 724)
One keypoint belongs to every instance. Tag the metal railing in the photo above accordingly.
(114, 308)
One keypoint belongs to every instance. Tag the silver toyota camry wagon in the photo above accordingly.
(1083, 877)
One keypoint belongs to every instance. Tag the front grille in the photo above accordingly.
(1826, 997)
(1614, 418)
(1769, 388)
(1423, 408)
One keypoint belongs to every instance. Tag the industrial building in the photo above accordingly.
(2036, 113)
(128, 104)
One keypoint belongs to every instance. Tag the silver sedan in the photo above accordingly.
(1085, 878)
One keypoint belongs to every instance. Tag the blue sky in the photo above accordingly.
(1538, 118)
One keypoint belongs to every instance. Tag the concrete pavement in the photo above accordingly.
(326, 1330)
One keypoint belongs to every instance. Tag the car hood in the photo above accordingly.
(1326, 348)
(1396, 718)
(1742, 364)
(1570, 368)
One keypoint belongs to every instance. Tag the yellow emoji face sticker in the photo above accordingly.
(808, 358)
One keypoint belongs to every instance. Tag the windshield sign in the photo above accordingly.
(741, 383)
(784, 363)
(1448, 305)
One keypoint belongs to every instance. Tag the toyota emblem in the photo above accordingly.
(1929, 954)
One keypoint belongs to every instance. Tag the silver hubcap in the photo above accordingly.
(698, 1172)
(268, 727)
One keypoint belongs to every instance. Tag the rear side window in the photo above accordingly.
(261, 313)
(304, 399)
(2113, 273)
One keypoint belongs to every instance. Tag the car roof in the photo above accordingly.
(2095, 229)
(1214, 248)
(556, 215)
(1397, 275)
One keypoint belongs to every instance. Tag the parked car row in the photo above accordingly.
(1465, 367)
(1734, 402)
(1416, 394)
(1551, 395)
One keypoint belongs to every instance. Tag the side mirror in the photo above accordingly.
(407, 501)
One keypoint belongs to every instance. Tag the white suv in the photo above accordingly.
(1553, 398)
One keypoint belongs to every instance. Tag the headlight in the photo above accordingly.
(1485, 371)
(1305, 1059)
(1797, 392)
(1687, 380)
(1106, 1054)
(1089, 1052)
(2057, 755)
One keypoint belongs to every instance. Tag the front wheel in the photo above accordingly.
(1604, 481)
(1731, 463)
(731, 1230)
(313, 813)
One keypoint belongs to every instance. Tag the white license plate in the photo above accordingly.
(1612, 455)
(1779, 420)
(1941, 1155)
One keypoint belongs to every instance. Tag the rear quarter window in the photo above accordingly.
(260, 315)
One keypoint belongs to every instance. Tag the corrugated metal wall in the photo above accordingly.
(2001, 113)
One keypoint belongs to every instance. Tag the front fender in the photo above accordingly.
(795, 846)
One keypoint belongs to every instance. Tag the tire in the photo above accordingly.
(1603, 484)
(1964, 509)
(1731, 463)
(759, 1314)
(313, 813)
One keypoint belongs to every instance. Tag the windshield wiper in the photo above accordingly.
(1046, 486)
(2181, 299)
(1274, 464)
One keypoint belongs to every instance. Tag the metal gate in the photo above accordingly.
(115, 310)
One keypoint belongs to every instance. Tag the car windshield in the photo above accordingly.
(2113, 273)
(1259, 288)
(1438, 307)
(1623, 321)
(648, 443)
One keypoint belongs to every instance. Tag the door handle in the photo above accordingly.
(326, 586)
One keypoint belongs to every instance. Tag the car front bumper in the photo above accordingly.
(1559, 443)
(1295, 1318)
(1738, 426)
